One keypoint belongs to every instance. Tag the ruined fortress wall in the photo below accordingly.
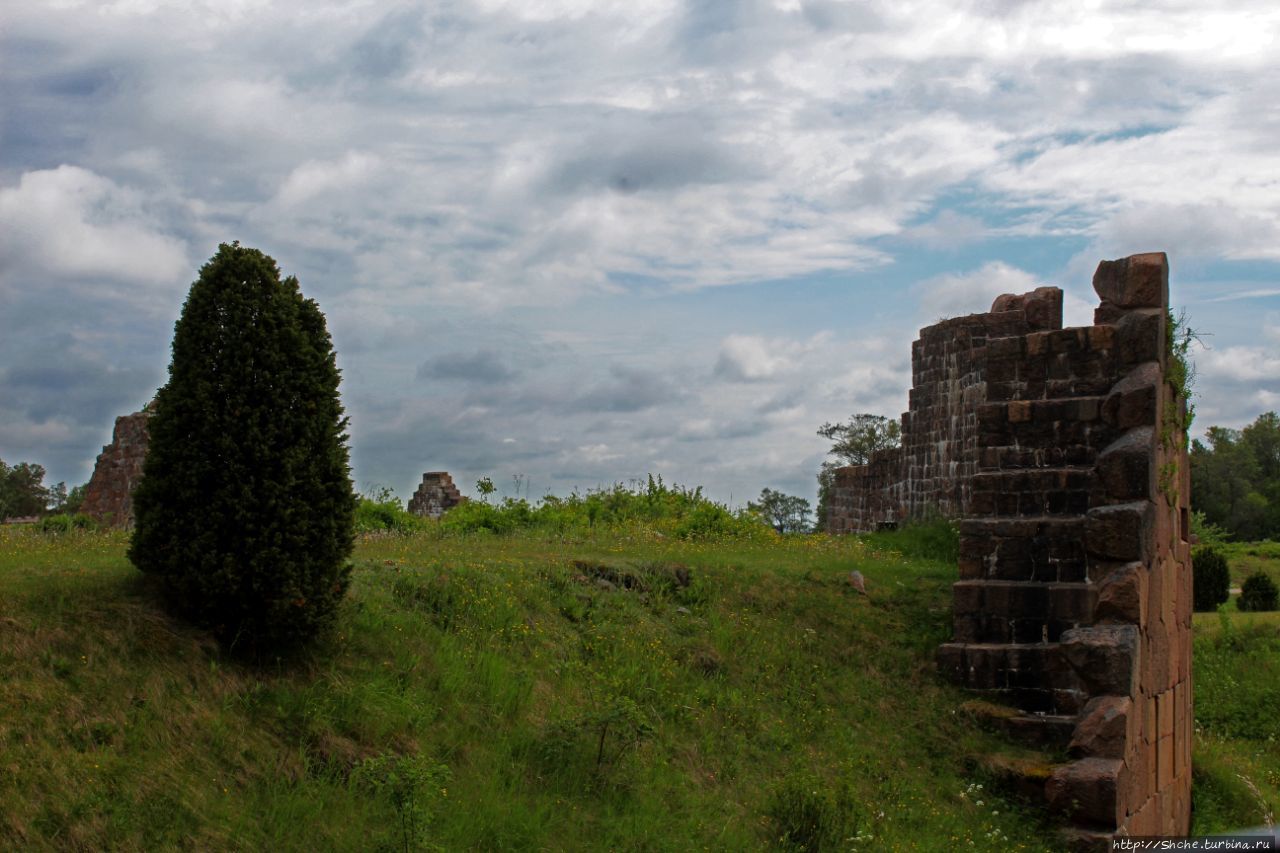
(1074, 603)
(108, 498)
(1063, 454)
(931, 472)
(435, 495)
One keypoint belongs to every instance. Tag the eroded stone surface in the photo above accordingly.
(435, 495)
(1074, 594)
(108, 497)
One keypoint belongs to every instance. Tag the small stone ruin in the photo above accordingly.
(436, 495)
(108, 498)
(1062, 454)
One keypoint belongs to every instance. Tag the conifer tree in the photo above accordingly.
(245, 511)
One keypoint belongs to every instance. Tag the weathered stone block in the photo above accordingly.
(1105, 657)
(1138, 281)
(1124, 466)
(1140, 336)
(1086, 790)
(1120, 595)
(1121, 531)
(1103, 728)
(108, 497)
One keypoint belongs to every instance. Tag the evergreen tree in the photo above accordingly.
(1210, 579)
(245, 511)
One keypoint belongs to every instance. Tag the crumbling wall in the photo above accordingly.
(435, 495)
(108, 498)
(1074, 603)
(931, 472)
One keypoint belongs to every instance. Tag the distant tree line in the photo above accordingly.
(1235, 478)
(23, 492)
(852, 443)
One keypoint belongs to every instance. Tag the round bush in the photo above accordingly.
(1259, 594)
(245, 510)
(1211, 579)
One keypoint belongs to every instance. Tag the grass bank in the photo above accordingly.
(616, 690)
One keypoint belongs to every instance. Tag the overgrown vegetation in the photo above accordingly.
(611, 688)
(244, 514)
(655, 506)
(380, 511)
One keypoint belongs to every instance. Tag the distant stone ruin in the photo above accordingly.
(436, 495)
(1062, 452)
(108, 498)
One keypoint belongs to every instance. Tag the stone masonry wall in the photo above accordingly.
(931, 472)
(108, 498)
(1074, 599)
(435, 495)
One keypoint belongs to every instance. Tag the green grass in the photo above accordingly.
(490, 692)
(1236, 760)
(1245, 558)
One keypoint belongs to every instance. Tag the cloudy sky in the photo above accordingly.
(584, 241)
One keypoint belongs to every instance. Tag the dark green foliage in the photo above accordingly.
(1211, 579)
(1235, 478)
(784, 513)
(22, 490)
(245, 510)
(66, 522)
(1259, 593)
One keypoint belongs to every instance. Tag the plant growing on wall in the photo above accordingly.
(245, 510)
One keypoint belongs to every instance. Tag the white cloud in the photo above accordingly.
(441, 175)
(955, 295)
(1239, 364)
(70, 221)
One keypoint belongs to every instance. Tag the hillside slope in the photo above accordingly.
(622, 691)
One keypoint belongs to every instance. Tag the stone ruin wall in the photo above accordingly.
(108, 497)
(435, 495)
(932, 471)
(1073, 608)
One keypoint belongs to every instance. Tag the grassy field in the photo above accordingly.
(616, 691)
(1245, 558)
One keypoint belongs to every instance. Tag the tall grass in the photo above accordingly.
(602, 690)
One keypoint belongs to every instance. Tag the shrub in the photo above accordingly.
(380, 512)
(1211, 580)
(1259, 593)
(808, 816)
(65, 523)
(244, 514)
